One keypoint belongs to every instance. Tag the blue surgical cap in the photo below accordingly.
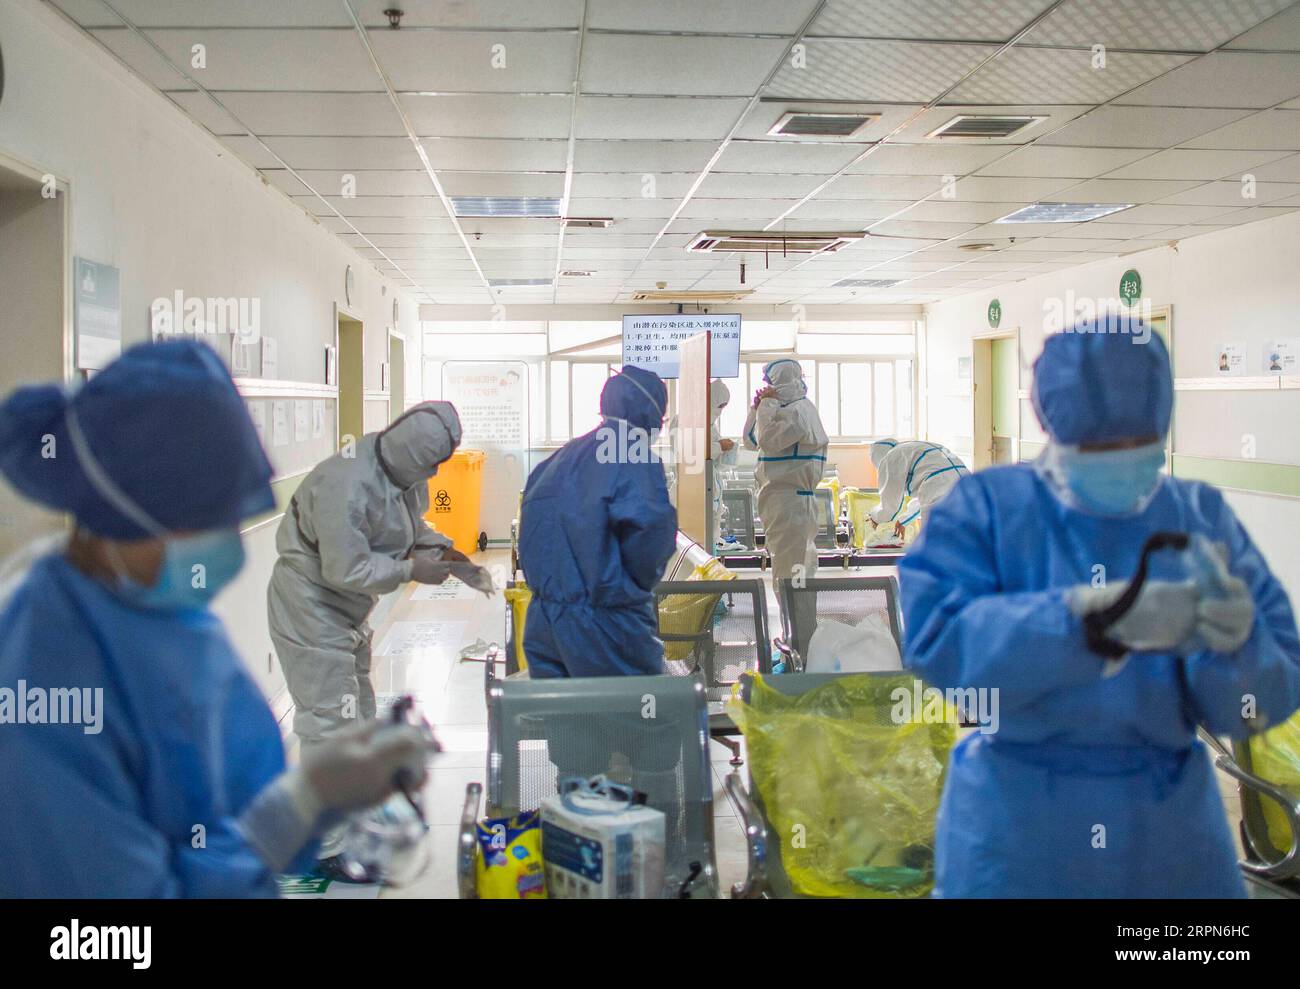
(163, 423)
(1094, 386)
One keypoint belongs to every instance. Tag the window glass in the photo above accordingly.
(828, 396)
(855, 399)
(559, 379)
(884, 388)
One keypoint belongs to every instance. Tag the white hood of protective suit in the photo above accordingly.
(786, 376)
(719, 396)
(880, 449)
(411, 449)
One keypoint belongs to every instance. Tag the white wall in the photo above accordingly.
(158, 197)
(1234, 284)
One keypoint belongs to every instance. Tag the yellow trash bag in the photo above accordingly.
(690, 614)
(851, 796)
(1275, 756)
(517, 599)
(833, 485)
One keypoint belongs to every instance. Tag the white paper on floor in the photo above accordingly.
(320, 888)
(416, 636)
(451, 589)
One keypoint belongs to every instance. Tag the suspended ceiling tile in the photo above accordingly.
(671, 65)
(725, 185)
(786, 157)
(206, 14)
(952, 211)
(959, 20)
(1225, 79)
(630, 185)
(344, 152)
(891, 187)
(488, 115)
(143, 60)
(478, 14)
(1160, 25)
(717, 16)
(1280, 33)
(1172, 215)
(302, 114)
(1053, 75)
(463, 61)
(1141, 127)
(1283, 170)
(925, 159)
(272, 59)
(1178, 163)
(1120, 191)
(904, 226)
(207, 113)
(889, 71)
(1062, 162)
(479, 154)
(364, 182)
(645, 157)
(678, 118)
(550, 185)
(984, 189)
(412, 206)
(1269, 130)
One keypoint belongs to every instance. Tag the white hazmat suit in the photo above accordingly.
(347, 538)
(912, 469)
(719, 396)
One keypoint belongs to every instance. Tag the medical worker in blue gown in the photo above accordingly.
(177, 785)
(595, 534)
(1095, 783)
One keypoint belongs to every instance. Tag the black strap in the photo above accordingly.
(1097, 625)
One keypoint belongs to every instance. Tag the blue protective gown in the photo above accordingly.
(1093, 786)
(187, 739)
(594, 538)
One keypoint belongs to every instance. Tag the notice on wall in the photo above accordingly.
(652, 342)
(270, 357)
(257, 412)
(1280, 356)
(279, 423)
(407, 637)
(317, 418)
(96, 313)
(492, 399)
(1232, 358)
(301, 420)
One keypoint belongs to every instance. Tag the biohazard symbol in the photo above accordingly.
(442, 499)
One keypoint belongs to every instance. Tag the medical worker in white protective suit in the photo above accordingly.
(911, 469)
(786, 430)
(719, 396)
(354, 530)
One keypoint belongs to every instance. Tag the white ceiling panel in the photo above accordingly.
(550, 185)
(1160, 25)
(1172, 215)
(273, 59)
(746, 206)
(888, 71)
(252, 152)
(1269, 130)
(715, 17)
(952, 211)
(413, 206)
(660, 65)
(143, 60)
(1120, 191)
(206, 113)
(680, 118)
(657, 208)
(466, 61)
(726, 185)
(925, 159)
(1053, 75)
(205, 13)
(1225, 79)
(1283, 170)
(904, 226)
(302, 114)
(645, 157)
(474, 154)
(1250, 215)
(985, 189)
(488, 115)
(890, 187)
(344, 152)
(1062, 162)
(478, 14)
(1178, 163)
(786, 157)
(959, 20)
(1279, 33)
(629, 185)
(1140, 127)
(368, 182)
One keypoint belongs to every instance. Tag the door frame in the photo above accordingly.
(982, 398)
(346, 312)
(392, 376)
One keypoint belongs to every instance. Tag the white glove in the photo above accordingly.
(1224, 623)
(1162, 619)
(356, 769)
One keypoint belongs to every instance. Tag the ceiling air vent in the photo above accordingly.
(519, 282)
(867, 283)
(799, 124)
(599, 222)
(770, 241)
(575, 274)
(667, 295)
(971, 127)
(505, 206)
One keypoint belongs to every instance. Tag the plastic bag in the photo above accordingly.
(509, 863)
(867, 647)
(517, 599)
(850, 796)
(1275, 756)
(690, 614)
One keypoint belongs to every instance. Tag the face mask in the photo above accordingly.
(1111, 482)
(193, 570)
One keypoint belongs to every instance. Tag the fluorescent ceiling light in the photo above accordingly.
(518, 282)
(1063, 212)
(505, 206)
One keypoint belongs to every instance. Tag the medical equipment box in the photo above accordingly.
(596, 849)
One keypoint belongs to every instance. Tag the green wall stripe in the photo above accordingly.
(1245, 475)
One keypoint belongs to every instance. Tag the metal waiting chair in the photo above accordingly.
(844, 599)
(717, 629)
(739, 503)
(765, 873)
(1270, 870)
(540, 731)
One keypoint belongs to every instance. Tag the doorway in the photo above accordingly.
(396, 375)
(352, 382)
(34, 318)
(995, 372)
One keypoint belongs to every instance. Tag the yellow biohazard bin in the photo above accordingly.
(860, 502)
(455, 498)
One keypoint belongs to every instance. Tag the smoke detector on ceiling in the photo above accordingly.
(971, 127)
(797, 123)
